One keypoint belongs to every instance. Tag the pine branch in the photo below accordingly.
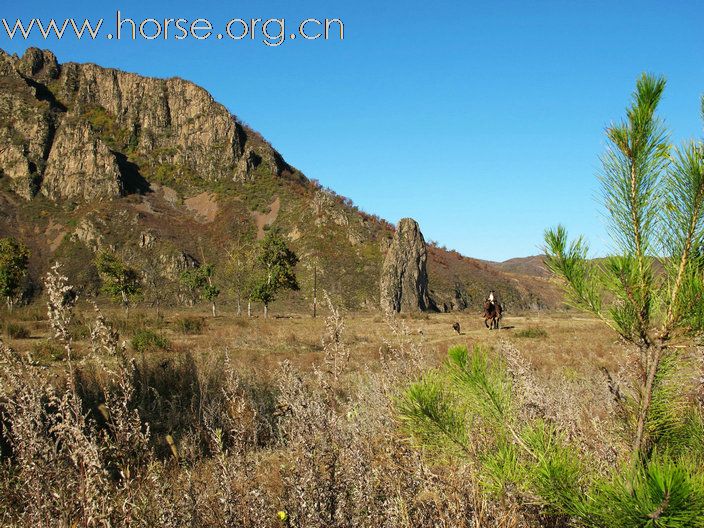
(686, 181)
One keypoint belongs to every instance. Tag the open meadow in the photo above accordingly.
(553, 341)
(285, 421)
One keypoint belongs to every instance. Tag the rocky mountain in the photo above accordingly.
(156, 170)
(110, 127)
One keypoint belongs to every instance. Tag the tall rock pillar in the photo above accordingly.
(404, 278)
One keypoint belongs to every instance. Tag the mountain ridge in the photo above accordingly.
(156, 169)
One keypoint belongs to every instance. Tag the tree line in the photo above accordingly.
(254, 271)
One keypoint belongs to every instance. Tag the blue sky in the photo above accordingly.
(483, 121)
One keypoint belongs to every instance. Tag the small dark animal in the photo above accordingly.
(492, 314)
(456, 327)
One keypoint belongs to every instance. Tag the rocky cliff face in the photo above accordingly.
(404, 278)
(26, 123)
(81, 167)
(173, 117)
(82, 132)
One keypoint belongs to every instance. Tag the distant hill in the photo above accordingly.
(532, 266)
(159, 172)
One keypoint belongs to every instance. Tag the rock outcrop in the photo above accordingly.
(404, 278)
(122, 128)
(38, 64)
(179, 120)
(81, 167)
(26, 124)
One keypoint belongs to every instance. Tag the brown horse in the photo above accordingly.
(492, 315)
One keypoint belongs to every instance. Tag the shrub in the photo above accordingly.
(190, 325)
(79, 329)
(146, 340)
(15, 331)
(49, 351)
(33, 313)
(191, 440)
(532, 332)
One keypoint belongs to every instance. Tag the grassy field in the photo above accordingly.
(552, 341)
(290, 421)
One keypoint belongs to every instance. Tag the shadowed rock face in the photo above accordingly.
(404, 278)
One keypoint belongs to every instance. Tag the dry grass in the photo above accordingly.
(574, 344)
(252, 417)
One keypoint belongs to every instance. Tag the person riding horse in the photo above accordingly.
(492, 310)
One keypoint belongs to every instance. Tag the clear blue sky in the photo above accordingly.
(482, 120)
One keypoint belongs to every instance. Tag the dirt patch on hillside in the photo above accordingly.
(55, 234)
(204, 207)
(167, 193)
(263, 220)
